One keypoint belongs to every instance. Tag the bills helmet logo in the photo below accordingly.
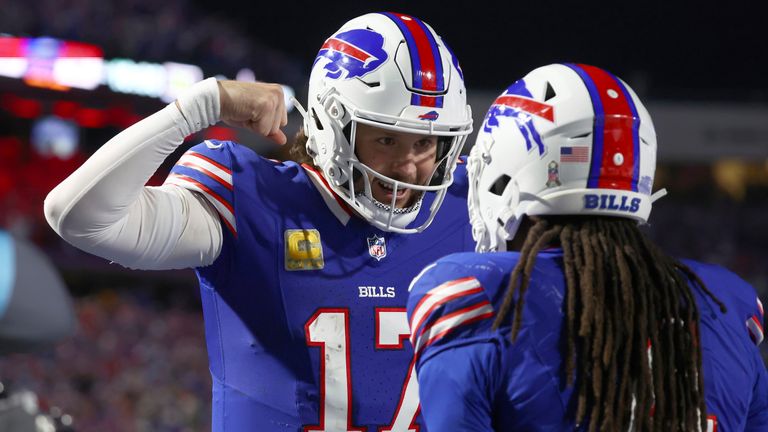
(518, 103)
(351, 54)
(430, 116)
(377, 247)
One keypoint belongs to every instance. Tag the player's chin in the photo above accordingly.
(413, 198)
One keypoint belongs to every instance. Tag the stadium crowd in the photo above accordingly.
(132, 366)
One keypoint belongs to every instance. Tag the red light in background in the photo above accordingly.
(91, 117)
(22, 107)
(220, 133)
(80, 49)
(117, 116)
(10, 150)
(66, 109)
(130, 120)
(11, 47)
(121, 117)
(6, 100)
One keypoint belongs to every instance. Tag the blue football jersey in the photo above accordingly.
(304, 308)
(473, 378)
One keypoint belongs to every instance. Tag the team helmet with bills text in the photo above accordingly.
(394, 72)
(567, 139)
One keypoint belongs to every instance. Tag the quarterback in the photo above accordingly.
(303, 268)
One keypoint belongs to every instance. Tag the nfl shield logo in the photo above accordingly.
(377, 247)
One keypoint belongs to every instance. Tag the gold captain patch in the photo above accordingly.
(303, 250)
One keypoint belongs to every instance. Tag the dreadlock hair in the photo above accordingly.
(628, 306)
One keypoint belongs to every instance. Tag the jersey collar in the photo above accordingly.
(335, 204)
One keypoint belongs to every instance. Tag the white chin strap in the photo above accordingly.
(396, 220)
(507, 231)
(299, 107)
(659, 194)
(492, 235)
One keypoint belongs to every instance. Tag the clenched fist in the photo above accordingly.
(259, 107)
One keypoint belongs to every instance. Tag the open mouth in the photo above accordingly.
(388, 191)
(382, 197)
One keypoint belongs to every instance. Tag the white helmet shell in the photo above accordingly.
(394, 72)
(567, 139)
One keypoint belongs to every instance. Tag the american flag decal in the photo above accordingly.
(574, 154)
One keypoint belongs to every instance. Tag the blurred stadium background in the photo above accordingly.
(73, 73)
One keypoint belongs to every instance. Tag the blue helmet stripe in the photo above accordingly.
(635, 131)
(598, 128)
(412, 49)
(435, 54)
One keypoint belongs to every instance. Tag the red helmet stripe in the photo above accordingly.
(615, 154)
(426, 64)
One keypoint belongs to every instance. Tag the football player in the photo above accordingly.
(303, 269)
(579, 322)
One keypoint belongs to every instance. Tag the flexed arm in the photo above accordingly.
(104, 208)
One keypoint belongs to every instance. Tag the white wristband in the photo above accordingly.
(200, 105)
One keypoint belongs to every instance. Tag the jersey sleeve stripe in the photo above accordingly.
(425, 316)
(755, 330)
(451, 322)
(224, 208)
(201, 164)
(439, 295)
(210, 161)
(760, 307)
(204, 188)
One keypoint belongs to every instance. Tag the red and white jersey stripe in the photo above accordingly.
(223, 207)
(755, 328)
(207, 166)
(333, 201)
(451, 322)
(460, 290)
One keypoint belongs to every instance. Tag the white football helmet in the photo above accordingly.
(567, 139)
(394, 72)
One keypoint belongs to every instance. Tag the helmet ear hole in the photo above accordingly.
(347, 131)
(373, 84)
(318, 125)
(549, 93)
(584, 135)
(498, 187)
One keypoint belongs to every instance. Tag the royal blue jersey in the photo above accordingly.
(473, 378)
(305, 306)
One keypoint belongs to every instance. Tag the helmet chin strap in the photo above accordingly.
(508, 223)
(397, 210)
(299, 107)
(508, 219)
(659, 194)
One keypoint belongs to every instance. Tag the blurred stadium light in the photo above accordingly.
(60, 65)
